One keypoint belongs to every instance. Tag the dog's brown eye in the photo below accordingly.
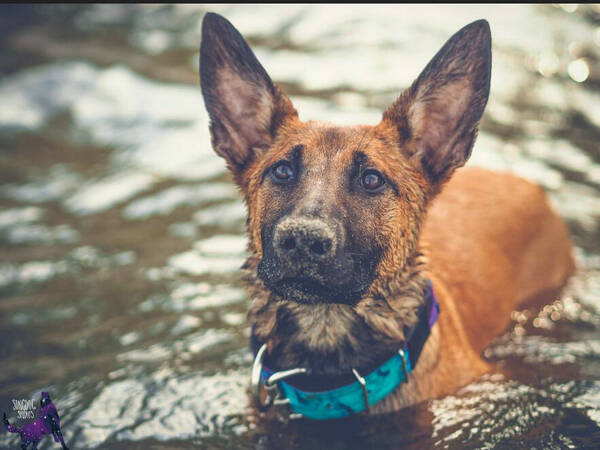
(372, 180)
(283, 172)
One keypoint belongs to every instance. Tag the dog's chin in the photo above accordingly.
(309, 291)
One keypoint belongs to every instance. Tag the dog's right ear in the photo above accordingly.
(246, 108)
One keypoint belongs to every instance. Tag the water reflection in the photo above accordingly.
(122, 234)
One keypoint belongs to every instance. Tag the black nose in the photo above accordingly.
(304, 238)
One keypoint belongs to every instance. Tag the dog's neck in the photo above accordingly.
(331, 339)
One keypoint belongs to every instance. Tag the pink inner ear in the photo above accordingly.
(248, 109)
(438, 118)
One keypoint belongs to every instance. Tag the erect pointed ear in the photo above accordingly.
(437, 117)
(246, 109)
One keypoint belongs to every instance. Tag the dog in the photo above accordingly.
(47, 422)
(378, 268)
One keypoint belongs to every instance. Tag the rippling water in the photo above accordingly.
(121, 232)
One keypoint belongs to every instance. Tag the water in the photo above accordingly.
(122, 234)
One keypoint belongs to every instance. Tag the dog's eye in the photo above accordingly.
(283, 172)
(372, 180)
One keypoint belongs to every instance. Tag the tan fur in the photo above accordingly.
(489, 242)
(494, 245)
(487, 254)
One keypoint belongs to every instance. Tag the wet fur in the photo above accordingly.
(481, 269)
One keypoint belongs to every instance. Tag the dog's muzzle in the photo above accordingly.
(305, 260)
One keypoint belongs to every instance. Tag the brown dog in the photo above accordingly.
(346, 225)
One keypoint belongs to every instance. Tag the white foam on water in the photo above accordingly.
(12, 217)
(31, 272)
(163, 407)
(202, 340)
(195, 297)
(41, 234)
(185, 324)
(152, 41)
(216, 255)
(186, 230)
(168, 200)
(192, 262)
(156, 127)
(233, 319)
(493, 153)
(156, 352)
(223, 215)
(222, 296)
(563, 154)
(19, 226)
(164, 127)
(509, 407)
(578, 203)
(222, 244)
(537, 349)
(32, 96)
(100, 195)
(116, 407)
(194, 343)
(55, 185)
(317, 109)
(130, 338)
(187, 290)
(589, 400)
(588, 102)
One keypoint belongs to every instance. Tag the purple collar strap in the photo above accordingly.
(347, 397)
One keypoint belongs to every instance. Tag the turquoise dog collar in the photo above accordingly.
(343, 401)
(353, 398)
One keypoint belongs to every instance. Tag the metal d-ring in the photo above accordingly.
(404, 366)
(271, 382)
(282, 375)
(255, 381)
(363, 385)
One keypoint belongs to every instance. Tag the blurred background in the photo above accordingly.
(121, 234)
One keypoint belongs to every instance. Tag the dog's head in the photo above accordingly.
(334, 211)
(330, 207)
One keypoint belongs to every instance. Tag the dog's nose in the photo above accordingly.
(304, 238)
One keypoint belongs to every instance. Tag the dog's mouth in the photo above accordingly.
(304, 289)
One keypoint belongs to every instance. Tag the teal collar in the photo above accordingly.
(348, 399)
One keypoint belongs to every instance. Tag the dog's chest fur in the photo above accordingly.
(332, 339)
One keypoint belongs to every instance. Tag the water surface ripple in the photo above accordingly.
(121, 234)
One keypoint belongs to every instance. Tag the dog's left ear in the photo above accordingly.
(246, 108)
(437, 117)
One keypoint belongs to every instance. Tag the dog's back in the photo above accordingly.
(496, 244)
